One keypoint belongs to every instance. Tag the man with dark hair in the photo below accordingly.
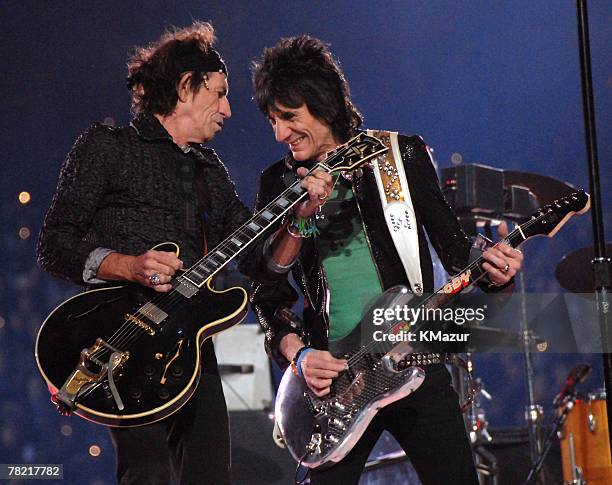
(122, 191)
(355, 256)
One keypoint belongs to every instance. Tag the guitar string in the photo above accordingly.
(472, 266)
(126, 334)
(134, 331)
(121, 338)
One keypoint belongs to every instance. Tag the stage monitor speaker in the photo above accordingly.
(256, 460)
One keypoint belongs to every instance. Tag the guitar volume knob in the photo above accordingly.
(338, 423)
(330, 438)
(339, 406)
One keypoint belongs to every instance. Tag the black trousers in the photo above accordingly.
(429, 427)
(192, 446)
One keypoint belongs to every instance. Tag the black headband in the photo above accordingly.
(209, 62)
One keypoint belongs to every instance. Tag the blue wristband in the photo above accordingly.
(298, 363)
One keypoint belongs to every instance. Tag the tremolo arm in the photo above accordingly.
(84, 378)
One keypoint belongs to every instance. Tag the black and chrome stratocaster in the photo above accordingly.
(320, 432)
(127, 356)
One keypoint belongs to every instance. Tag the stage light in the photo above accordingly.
(94, 450)
(24, 197)
(456, 159)
(24, 232)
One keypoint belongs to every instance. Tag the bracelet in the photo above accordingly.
(293, 234)
(295, 357)
(296, 362)
(303, 227)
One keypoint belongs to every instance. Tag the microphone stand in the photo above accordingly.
(601, 264)
(536, 467)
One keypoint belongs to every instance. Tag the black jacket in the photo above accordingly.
(271, 298)
(130, 188)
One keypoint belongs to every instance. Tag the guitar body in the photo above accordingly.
(162, 370)
(319, 432)
(321, 435)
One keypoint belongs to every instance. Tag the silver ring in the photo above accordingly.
(506, 268)
(155, 279)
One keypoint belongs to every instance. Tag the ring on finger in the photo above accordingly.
(506, 268)
(155, 279)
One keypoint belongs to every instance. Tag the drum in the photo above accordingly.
(585, 445)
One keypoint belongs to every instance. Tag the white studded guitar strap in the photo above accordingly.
(398, 208)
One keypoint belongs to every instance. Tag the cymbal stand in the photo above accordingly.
(533, 412)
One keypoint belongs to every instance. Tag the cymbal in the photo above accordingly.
(546, 189)
(575, 272)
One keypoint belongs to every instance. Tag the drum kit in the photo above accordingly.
(581, 424)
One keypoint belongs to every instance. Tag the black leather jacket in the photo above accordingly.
(270, 299)
(130, 188)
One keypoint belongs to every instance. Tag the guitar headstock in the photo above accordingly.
(353, 154)
(549, 219)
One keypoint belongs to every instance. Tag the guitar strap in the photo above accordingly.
(398, 208)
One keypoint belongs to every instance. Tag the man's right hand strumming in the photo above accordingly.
(318, 367)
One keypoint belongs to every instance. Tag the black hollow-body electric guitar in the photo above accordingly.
(127, 356)
(319, 432)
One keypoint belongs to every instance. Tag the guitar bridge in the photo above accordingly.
(84, 378)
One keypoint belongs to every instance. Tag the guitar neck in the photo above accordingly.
(471, 274)
(236, 242)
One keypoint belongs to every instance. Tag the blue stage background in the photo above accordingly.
(497, 83)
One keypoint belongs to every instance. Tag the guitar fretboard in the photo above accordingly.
(207, 267)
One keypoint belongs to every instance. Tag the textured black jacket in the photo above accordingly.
(433, 214)
(130, 188)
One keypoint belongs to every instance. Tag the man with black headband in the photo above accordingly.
(354, 254)
(122, 191)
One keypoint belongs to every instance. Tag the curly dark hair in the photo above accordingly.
(301, 70)
(154, 70)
